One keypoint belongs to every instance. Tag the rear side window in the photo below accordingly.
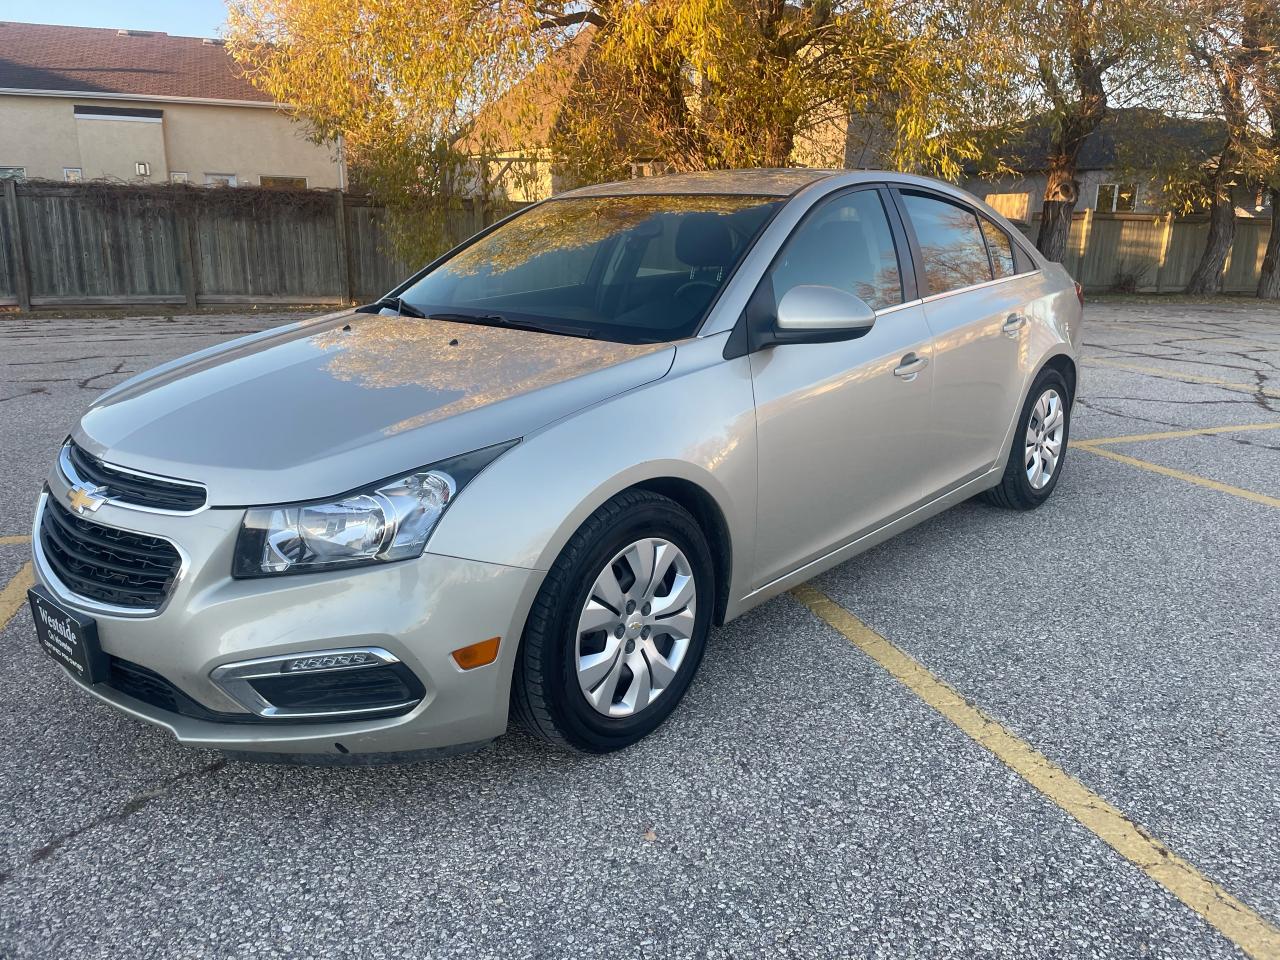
(951, 243)
(844, 243)
(1001, 248)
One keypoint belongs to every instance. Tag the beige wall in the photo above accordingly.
(42, 135)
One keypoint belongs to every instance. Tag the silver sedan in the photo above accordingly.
(531, 479)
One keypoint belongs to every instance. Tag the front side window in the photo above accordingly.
(634, 269)
(845, 243)
(951, 244)
(1001, 248)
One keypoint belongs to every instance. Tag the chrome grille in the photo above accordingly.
(105, 564)
(127, 487)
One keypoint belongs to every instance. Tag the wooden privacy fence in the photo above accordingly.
(1143, 253)
(99, 244)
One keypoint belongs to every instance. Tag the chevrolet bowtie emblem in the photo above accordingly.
(86, 499)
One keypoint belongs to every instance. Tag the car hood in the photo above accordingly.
(319, 408)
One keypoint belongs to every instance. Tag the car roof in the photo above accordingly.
(762, 183)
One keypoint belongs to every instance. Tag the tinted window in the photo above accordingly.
(845, 243)
(632, 269)
(950, 243)
(1001, 248)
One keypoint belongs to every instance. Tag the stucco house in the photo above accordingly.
(80, 103)
(1119, 166)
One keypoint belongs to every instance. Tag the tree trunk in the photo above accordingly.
(1058, 205)
(1206, 279)
(1269, 278)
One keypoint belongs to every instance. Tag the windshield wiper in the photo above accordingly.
(401, 306)
(498, 320)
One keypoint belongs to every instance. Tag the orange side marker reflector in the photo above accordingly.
(478, 654)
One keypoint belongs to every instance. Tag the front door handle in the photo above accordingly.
(910, 366)
(1014, 323)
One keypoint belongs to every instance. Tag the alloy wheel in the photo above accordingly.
(1045, 430)
(635, 627)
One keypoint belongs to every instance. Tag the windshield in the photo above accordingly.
(633, 269)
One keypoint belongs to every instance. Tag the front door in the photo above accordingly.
(839, 425)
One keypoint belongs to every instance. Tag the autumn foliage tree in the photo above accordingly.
(1074, 61)
(1232, 55)
(699, 84)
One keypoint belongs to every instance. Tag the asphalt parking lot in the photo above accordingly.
(805, 801)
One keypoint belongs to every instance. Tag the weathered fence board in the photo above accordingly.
(1149, 254)
(121, 245)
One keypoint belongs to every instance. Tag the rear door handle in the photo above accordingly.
(910, 366)
(1014, 323)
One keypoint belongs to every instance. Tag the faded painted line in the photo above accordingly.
(1167, 374)
(14, 595)
(1176, 434)
(1234, 919)
(1179, 474)
(10, 541)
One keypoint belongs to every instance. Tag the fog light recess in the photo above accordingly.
(349, 683)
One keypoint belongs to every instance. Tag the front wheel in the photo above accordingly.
(618, 627)
(1039, 446)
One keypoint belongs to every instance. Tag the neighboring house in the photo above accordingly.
(85, 104)
(1118, 167)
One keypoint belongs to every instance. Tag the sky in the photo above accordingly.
(184, 18)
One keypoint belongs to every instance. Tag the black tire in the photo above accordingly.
(1015, 491)
(545, 694)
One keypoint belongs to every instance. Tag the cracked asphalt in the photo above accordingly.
(801, 802)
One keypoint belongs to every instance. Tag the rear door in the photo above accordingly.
(839, 424)
(975, 308)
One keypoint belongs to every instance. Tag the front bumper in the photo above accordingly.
(418, 610)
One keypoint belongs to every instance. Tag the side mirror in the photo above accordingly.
(814, 314)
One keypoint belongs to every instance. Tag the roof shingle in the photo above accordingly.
(36, 56)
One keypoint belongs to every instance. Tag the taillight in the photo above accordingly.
(1080, 292)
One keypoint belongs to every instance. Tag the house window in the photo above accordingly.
(72, 174)
(142, 169)
(1116, 197)
(284, 183)
(220, 179)
(178, 176)
(13, 173)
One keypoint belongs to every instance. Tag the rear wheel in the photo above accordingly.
(618, 628)
(1039, 446)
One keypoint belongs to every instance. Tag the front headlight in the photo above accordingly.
(389, 521)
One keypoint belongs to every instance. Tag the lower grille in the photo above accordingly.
(103, 563)
(148, 686)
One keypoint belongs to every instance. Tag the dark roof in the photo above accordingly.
(35, 56)
(1126, 138)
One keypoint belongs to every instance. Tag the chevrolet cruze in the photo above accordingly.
(531, 479)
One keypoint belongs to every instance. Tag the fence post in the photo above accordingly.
(1166, 235)
(21, 278)
(188, 239)
(347, 288)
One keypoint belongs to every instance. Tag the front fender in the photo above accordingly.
(696, 424)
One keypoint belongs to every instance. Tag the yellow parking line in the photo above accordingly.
(1185, 377)
(1175, 434)
(9, 541)
(1179, 474)
(14, 595)
(1234, 919)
